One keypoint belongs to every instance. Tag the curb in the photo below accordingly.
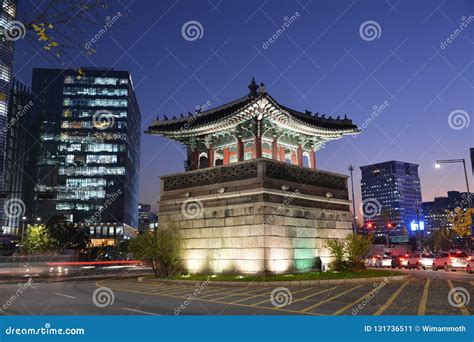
(297, 283)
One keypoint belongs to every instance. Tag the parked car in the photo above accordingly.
(384, 261)
(372, 260)
(470, 263)
(420, 260)
(450, 261)
(399, 261)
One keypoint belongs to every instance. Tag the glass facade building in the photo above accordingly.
(394, 190)
(8, 10)
(88, 162)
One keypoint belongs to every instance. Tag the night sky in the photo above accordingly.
(320, 63)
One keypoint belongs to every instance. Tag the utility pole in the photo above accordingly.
(354, 223)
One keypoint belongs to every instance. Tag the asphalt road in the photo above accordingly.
(440, 274)
(129, 297)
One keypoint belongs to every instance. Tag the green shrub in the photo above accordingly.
(348, 254)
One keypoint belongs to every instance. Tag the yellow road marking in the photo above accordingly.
(338, 312)
(309, 308)
(463, 309)
(424, 298)
(269, 299)
(391, 299)
(247, 293)
(208, 300)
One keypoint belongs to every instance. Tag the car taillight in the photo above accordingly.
(452, 258)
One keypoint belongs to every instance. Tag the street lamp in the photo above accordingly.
(38, 219)
(354, 224)
(451, 161)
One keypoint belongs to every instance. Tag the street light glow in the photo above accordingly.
(437, 165)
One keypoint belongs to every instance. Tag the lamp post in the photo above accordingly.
(451, 161)
(23, 229)
(354, 223)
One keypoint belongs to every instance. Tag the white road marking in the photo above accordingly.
(65, 295)
(142, 312)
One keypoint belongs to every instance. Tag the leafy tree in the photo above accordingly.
(37, 239)
(348, 254)
(161, 249)
(59, 27)
(66, 234)
(462, 221)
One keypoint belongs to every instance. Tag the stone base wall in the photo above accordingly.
(257, 237)
(260, 228)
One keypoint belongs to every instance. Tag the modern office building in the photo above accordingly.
(18, 131)
(8, 10)
(436, 212)
(88, 160)
(147, 220)
(391, 195)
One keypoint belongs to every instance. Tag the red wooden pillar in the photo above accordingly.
(258, 147)
(300, 155)
(226, 156)
(240, 148)
(293, 158)
(282, 153)
(313, 158)
(210, 155)
(275, 148)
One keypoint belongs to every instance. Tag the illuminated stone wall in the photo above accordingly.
(257, 222)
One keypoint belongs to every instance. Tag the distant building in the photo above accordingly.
(18, 133)
(435, 212)
(87, 167)
(391, 195)
(147, 220)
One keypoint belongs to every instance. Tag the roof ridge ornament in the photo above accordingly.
(253, 87)
(262, 89)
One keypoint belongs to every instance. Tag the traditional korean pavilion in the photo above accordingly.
(251, 200)
(253, 126)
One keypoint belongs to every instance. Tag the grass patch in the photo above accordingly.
(290, 277)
